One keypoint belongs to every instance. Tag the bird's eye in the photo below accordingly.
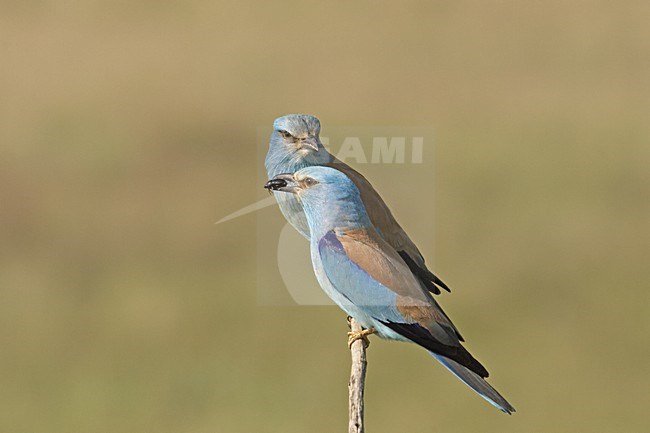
(285, 134)
(308, 181)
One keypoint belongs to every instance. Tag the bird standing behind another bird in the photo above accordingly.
(295, 144)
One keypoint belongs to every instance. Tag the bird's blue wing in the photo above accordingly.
(363, 268)
(355, 283)
(390, 230)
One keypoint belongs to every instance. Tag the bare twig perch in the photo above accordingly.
(357, 379)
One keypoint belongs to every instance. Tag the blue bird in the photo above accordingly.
(369, 280)
(295, 144)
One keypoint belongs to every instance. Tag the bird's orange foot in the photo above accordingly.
(360, 335)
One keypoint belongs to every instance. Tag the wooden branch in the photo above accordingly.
(357, 381)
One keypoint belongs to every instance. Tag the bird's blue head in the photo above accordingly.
(295, 143)
(330, 199)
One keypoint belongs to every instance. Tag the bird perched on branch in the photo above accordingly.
(295, 144)
(363, 274)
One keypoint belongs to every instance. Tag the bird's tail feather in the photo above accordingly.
(477, 383)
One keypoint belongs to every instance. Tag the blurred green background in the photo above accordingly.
(128, 128)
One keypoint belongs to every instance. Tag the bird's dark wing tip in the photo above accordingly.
(421, 336)
(430, 281)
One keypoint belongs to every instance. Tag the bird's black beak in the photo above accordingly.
(282, 182)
